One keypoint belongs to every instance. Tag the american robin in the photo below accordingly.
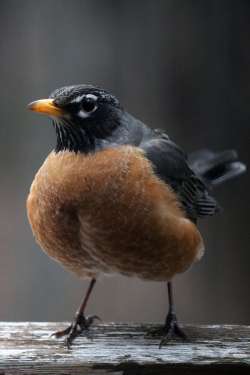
(115, 196)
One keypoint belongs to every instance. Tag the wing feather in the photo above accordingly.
(171, 165)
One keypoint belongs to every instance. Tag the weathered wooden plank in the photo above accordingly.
(27, 348)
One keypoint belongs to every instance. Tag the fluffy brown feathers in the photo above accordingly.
(108, 212)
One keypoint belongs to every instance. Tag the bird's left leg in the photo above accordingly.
(80, 322)
(171, 328)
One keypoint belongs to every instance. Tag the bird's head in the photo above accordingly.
(83, 116)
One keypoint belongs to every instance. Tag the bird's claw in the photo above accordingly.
(170, 330)
(80, 324)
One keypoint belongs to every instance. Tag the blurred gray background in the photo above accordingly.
(180, 65)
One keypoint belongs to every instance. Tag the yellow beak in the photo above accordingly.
(46, 107)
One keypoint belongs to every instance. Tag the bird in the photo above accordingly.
(116, 196)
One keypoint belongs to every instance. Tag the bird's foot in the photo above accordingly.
(170, 330)
(80, 324)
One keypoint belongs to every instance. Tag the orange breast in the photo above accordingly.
(108, 212)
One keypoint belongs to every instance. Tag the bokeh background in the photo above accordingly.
(180, 65)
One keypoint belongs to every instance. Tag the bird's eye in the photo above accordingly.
(88, 103)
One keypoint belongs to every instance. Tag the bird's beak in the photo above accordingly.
(46, 107)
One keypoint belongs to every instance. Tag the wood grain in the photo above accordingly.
(27, 348)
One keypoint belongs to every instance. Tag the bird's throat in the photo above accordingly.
(73, 139)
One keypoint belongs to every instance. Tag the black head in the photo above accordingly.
(83, 115)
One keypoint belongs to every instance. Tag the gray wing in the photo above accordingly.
(171, 165)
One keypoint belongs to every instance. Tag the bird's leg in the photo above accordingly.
(80, 322)
(171, 328)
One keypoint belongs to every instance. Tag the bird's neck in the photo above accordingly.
(73, 139)
(92, 138)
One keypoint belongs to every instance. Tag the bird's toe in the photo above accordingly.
(79, 325)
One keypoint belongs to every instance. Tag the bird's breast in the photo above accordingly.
(108, 212)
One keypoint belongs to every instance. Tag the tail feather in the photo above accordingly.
(216, 168)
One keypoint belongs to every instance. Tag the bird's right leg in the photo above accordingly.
(80, 322)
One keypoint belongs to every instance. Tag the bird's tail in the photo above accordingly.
(214, 168)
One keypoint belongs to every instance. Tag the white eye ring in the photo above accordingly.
(91, 96)
(86, 113)
(78, 99)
